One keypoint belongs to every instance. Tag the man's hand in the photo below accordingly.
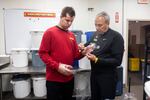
(65, 69)
(81, 47)
(87, 49)
(92, 57)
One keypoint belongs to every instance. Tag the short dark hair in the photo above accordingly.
(67, 10)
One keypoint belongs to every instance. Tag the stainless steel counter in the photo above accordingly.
(4, 61)
(10, 69)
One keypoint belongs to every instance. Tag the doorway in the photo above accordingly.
(136, 46)
(136, 41)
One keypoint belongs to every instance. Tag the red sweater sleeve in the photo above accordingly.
(44, 51)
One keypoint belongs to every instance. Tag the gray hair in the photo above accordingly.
(105, 15)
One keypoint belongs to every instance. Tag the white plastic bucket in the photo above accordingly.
(84, 63)
(21, 88)
(39, 86)
(19, 57)
(82, 83)
(36, 37)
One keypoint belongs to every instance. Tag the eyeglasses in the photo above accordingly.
(100, 25)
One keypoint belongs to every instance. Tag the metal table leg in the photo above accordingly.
(1, 89)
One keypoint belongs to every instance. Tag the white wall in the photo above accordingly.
(2, 43)
(53, 5)
(110, 8)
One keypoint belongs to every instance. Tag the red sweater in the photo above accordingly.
(58, 46)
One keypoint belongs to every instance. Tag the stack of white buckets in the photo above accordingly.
(19, 59)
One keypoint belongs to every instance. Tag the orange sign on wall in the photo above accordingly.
(39, 14)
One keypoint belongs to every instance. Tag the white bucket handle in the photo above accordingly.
(11, 59)
(12, 82)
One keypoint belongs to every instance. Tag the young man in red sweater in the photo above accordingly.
(58, 50)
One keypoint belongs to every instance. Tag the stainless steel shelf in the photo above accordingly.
(10, 69)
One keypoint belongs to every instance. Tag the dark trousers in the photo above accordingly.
(103, 86)
(59, 91)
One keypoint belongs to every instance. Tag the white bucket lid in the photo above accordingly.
(38, 78)
(36, 49)
(20, 49)
(4, 55)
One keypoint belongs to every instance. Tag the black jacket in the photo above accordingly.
(109, 49)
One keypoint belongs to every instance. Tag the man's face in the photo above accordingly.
(65, 22)
(101, 24)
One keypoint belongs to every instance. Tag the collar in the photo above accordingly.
(103, 33)
(61, 28)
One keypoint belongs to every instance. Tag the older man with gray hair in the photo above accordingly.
(106, 56)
